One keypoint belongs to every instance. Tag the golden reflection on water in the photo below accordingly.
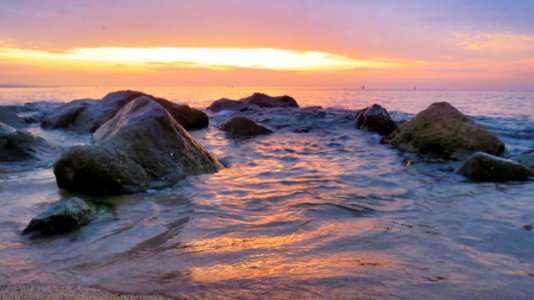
(272, 264)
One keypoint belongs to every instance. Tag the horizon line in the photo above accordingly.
(358, 88)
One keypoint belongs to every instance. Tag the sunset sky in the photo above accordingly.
(453, 44)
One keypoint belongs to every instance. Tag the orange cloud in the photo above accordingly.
(210, 58)
(495, 42)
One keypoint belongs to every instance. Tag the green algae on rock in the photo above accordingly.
(441, 130)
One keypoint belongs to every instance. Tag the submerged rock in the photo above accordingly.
(441, 130)
(87, 115)
(63, 217)
(376, 119)
(252, 102)
(228, 104)
(244, 127)
(142, 142)
(485, 167)
(17, 145)
(9, 117)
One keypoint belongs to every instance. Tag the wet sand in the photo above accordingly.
(66, 292)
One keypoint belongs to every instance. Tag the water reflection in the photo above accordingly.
(317, 210)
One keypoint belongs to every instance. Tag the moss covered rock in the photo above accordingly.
(441, 130)
(17, 145)
(62, 217)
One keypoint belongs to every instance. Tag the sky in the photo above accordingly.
(393, 44)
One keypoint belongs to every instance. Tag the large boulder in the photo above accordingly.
(9, 117)
(87, 115)
(263, 100)
(62, 217)
(375, 118)
(142, 142)
(244, 127)
(441, 130)
(485, 167)
(17, 145)
(98, 170)
(228, 104)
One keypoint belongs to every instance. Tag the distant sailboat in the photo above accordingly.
(414, 88)
(363, 87)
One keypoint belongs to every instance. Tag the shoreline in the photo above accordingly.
(65, 292)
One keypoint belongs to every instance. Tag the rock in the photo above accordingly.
(441, 130)
(376, 119)
(67, 116)
(100, 171)
(64, 216)
(252, 102)
(485, 167)
(227, 104)
(17, 145)
(186, 116)
(88, 115)
(526, 159)
(32, 117)
(144, 131)
(141, 143)
(244, 127)
(9, 117)
(263, 100)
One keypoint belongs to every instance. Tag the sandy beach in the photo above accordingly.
(66, 292)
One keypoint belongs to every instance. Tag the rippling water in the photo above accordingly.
(316, 210)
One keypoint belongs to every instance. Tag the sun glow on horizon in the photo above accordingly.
(211, 58)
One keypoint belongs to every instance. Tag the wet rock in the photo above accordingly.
(17, 145)
(144, 131)
(63, 217)
(67, 116)
(97, 170)
(376, 119)
(32, 117)
(227, 104)
(526, 159)
(9, 117)
(244, 127)
(87, 115)
(188, 117)
(263, 100)
(485, 167)
(254, 101)
(441, 130)
(141, 143)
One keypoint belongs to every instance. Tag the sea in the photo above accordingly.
(318, 209)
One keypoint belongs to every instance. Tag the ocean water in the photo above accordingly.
(316, 210)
